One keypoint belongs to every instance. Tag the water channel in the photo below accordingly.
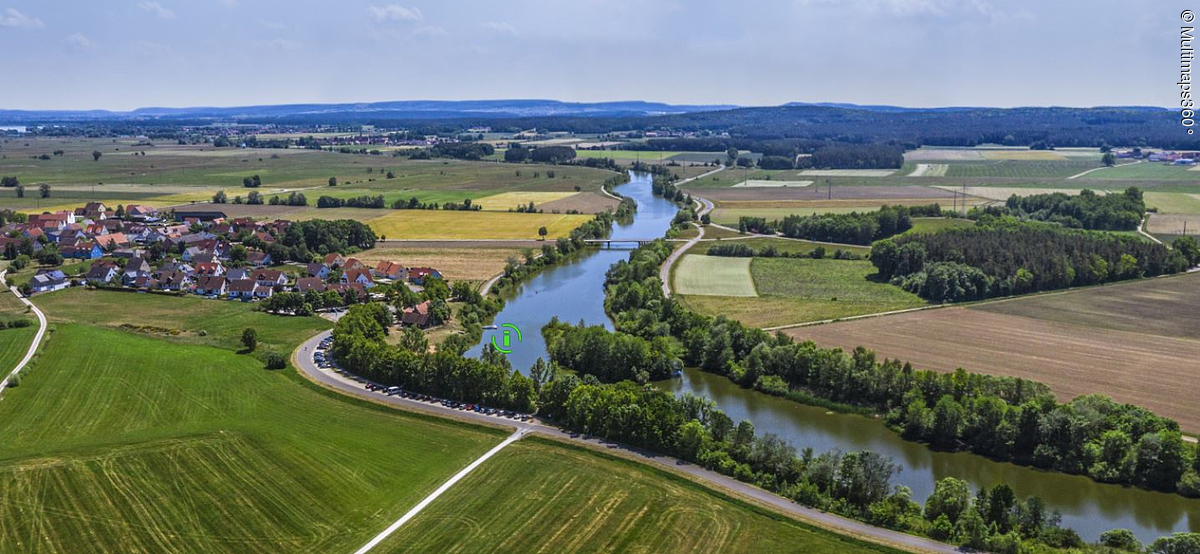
(573, 291)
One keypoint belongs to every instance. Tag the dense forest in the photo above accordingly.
(305, 239)
(1087, 210)
(1006, 257)
(851, 228)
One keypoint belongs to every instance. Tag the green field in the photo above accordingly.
(123, 441)
(441, 224)
(934, 224)
(782, 245)
(123, 175)
(1173, 202)
(798, 290)
(542, 496)
(713, 276)
(14, 343)
(1021, 168)
(1156, 171)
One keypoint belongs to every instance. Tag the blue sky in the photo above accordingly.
(122, 54)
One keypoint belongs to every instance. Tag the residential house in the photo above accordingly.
(258, 259)
(320, 271)
(353, 264)
(134, 269)
(101, 274)
(417, 315)
(48, 280)
(419, 274)
(140, 212)
(113, 241)
(358, 276)
(81, 250)
(390, 270)
(334, 260)
(210, 269)
(269, 277)
(176, 281)
(210, 286)
(305, 284)
(242, 289)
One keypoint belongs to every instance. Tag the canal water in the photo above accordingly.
(574, 292)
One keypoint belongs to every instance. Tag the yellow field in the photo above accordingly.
(506, 200)
(1043, 155)
(455, 264)
(441, 224)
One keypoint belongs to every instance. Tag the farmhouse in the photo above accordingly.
(417, 315)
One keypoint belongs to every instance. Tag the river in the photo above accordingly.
(573, 291)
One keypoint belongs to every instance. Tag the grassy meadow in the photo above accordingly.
(713, 276)
(542, 496)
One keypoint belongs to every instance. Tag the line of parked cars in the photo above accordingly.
(324, 359)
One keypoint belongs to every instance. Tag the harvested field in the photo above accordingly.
(713, 276)
(466, 264)
(823, 193)
(585, 202)
(942, 155)
(754, 183)
(1137, 342)
(435, 224)
(1034, 155)
(1173, 224)
(847, 172)
(509, 200)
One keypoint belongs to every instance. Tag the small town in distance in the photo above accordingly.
(647, 285)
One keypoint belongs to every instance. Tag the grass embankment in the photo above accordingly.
(117, 441)
(542, 496)
(798, 290)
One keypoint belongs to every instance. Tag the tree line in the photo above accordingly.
(1087, 210)
(1003, 256)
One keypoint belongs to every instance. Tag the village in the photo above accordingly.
(139, 248)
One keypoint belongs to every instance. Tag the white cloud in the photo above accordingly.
(500, 27)
(157, 9)
(394, 12)
(13, 18)
(78, 41)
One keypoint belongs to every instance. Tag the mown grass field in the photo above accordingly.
(713, 276)
(934, 224)
(190, 319)
(1137, 342)
(1157, 171)
(120, 442)
(14, 343)
(782, 245)
(792, 290)
(1173, 202)
(442, 224)
(538, 496)
(1022, 168)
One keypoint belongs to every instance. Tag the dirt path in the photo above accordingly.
(1078, 175)
(37, 339)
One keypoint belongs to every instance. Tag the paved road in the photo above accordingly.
(37, 339)
(302, 359)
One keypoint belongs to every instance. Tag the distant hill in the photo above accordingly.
(405, 109)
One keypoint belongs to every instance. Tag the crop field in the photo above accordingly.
(803, 290)
(172, 174)
(784, 184)
(825, 194)
(1173, 202)
(121, 442)
(847, 172)
(782, 245)
(1173, 224)
(440, 224)
(1033, 155)
(929, 170)
(1003, 193)
(935, 224)
(731, 177)
(1156, 171)
(509, 200)
(1137, 342)
(584, 202)
(1022, 169)
(467, 264)
(713, 276)
(537, 496)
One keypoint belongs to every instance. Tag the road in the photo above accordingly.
(664, 273)
(37, 339)
(302, 359)
(1141, 229)
(1078, 175)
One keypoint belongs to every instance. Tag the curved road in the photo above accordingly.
(37, 339)
(302, 359)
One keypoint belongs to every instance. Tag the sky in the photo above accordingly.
(124, 54)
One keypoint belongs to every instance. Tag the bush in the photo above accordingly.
(276, 360)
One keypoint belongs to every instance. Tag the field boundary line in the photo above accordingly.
(1142, 226)
(37, 338)
(436, 493)
(1078, 175)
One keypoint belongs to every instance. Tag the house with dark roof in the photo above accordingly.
(101, 274)
(417, 315)
(269, 277)
(258, 259)
(242, 289)
(357, 276)
(48, 280)
(320, 271)
(305, 284)
(210, 286)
